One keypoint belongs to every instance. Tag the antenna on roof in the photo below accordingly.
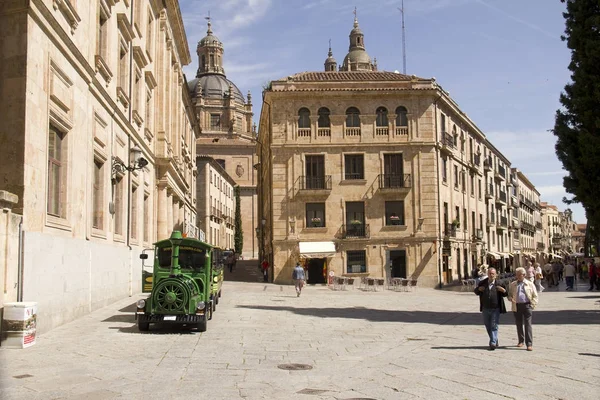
(403, 41)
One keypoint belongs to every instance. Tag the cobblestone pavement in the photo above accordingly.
(425, 344)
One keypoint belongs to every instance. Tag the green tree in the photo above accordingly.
(239, 233)
(577, 124)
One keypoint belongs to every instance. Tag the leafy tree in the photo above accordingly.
(239, 233)
(577, 124)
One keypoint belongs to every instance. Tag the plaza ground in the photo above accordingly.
(425, 344)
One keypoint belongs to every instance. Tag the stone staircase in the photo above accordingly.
(244, 271)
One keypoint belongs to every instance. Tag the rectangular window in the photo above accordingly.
(98, 196)
(315, 215)
(56, 172)
(134, 213)
(394, 213)
(315, 172)
(123, 74)
(443, 122)
(444, 169)
(457, 214)
(356, 262)
(463, 181)
(472, 186)
(479, 188)
(119, 205)
(102, 35)
(354, 166)
(465, 220)
(215, 121)
(149, 34)
(456, 177)
(146, 218)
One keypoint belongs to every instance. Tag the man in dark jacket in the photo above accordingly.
(491, 294)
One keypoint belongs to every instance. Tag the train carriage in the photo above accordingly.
(187, 277)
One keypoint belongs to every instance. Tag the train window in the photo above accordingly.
(192, 258)
(164, 257)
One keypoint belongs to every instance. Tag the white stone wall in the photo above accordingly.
(70, 278)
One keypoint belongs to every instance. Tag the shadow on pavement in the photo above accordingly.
(589, 354)
(585, 297)
(562, 317)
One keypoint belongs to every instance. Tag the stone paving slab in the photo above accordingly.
(425, 344)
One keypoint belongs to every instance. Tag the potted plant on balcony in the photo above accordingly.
(355, 223)
(456, 224)
(394, 219)
(316, 221)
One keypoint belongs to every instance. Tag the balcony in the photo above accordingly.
(527, 226)
(352, 131)
(514, 202)
(488, 165)
(502, 196)
(500, 173)
(447, 142)
(394, 181)
(504, 222)
(489, 192)
(515, 224)
(322, 183)
(538, 225)
(323, 132)
(304, 132)
(540, 246)
(382, 131)
(475, 162)
(402, 131)
(355, 231)
(491, 221)
(450, 230)
(478, 236)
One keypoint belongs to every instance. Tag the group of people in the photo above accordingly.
(522, 294)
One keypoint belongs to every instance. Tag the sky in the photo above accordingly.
(503, 62)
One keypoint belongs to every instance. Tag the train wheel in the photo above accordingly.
(143, 326)
(202, 326)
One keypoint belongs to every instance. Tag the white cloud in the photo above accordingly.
(551, 191)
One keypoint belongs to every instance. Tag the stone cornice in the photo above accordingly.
(178, 30)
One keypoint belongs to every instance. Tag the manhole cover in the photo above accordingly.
(23, 376)
(312, 391)
(294, 367)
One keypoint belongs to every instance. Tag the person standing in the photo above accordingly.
(298, 277)
(569, 275)
(265, 270)
(523, 296)
(491, 303)
(592, 274)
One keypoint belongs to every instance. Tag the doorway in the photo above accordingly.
(315, 270)
(398, 261)
(446, 269)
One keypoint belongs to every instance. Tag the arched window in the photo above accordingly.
(401, 119)
(352, 118)
(382, 116)
(324, 121)
(304, 118)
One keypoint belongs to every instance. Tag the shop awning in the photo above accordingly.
(554, 255)
(504, 255)
(317, 249)
(494, 255)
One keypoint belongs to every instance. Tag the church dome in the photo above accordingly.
(215, 86)
(210, 39)
(355, 56)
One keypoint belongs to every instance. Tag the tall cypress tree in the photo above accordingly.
(577, 124)
(239, 233)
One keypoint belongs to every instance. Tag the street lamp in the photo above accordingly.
(136, 162)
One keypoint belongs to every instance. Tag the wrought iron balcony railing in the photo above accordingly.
(350, 231)
(315, 182)
(394, 181)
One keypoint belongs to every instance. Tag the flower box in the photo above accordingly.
(315, 219)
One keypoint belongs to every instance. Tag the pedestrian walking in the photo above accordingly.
(523, 297)
(230, 262)
(265, 270)
(530, 271)
(298, 277)
(569, 275)
(491, 303)
(538, 278)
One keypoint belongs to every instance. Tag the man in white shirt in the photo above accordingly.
(569, 275)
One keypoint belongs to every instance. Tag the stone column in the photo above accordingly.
(181, 215)
(175, 211)
(162, 217)
(169, 207)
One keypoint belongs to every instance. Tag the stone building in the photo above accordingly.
(529, 220)
(227, 134)
(551, 236)
(374, 173)
(216, 203)
(97, 143)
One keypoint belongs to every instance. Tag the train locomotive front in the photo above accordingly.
(181, 285)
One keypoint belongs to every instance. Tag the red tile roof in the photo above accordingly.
(345, 76)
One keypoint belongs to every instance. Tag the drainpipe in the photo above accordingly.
(437, 152)
(20, 263)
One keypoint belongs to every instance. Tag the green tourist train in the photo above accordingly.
(185, 285)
